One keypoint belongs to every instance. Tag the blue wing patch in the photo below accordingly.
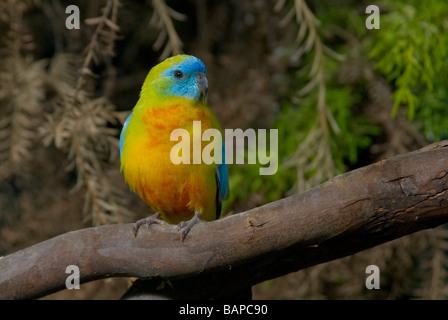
(123, 133)
(222, 182)
(223, 174)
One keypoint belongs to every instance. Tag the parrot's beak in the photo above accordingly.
(202, 84)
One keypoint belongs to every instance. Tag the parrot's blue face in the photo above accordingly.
(185, 78)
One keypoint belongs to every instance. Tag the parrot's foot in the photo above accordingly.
(148, 221)
(186, 226)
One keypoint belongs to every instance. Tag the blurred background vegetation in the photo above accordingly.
(341, 96)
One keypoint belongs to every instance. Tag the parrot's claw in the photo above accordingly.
(148, 221)
(186, 226)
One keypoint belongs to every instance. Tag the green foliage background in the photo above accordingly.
(341, 97)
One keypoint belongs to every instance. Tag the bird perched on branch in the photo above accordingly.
(173, 96)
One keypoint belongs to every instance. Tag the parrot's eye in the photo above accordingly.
(178, 74)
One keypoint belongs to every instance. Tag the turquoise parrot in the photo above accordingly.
(173, 96)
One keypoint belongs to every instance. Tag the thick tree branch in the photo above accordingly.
(347, 214)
